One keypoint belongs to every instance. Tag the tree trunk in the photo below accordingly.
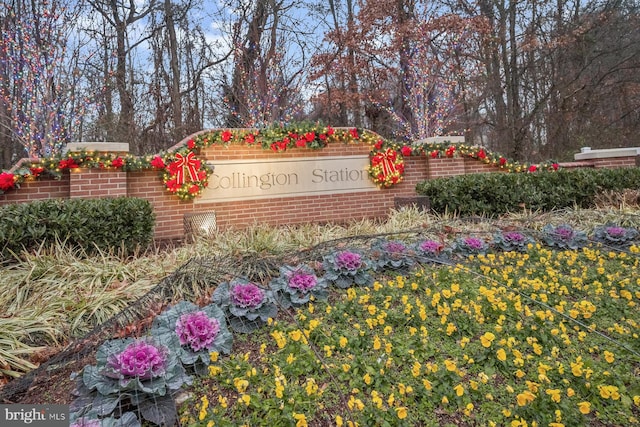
(174, 90)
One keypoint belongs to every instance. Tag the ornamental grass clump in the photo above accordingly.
(296, 285)
(564, 237)
(247, 306)
(466, 246)
(194, 332)
(132, 377)
(512, 241)
(392, 255)
(345, 268)
(615, 236)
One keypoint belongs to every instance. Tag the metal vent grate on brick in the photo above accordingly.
(202, 224)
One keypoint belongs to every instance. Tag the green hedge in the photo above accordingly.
(122, 223)
(493, 194)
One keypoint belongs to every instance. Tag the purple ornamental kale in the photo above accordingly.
(565, 233)
(430, 246)
(514, 236)
(247, 295)
(302, 281)
(616, 232)
(197, 330)
(348, 260)
(139, 359)
(395, 247)
(474, 243)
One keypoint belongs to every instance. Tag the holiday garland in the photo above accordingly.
(184, 175)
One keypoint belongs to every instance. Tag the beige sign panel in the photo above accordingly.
(259, 179)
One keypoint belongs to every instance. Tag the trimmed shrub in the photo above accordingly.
(121, 223)
(492, 194)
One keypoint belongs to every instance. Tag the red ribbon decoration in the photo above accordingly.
(191, 163)
(387, 159)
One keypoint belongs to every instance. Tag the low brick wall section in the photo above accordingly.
(171, 211)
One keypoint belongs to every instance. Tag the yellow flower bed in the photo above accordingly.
(544, 338)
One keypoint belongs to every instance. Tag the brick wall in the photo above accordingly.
(615, 162)
(170, 210)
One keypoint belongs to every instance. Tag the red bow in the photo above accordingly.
(387, 159)
(191, 163)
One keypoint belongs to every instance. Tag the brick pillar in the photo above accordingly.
(95, 183)
(615, 162)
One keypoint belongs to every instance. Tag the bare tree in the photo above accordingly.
(38, 103)
(269, 62)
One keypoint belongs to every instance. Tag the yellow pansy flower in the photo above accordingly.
(554, 393)
(584, 407)
(240, 384)
(501, 354)
(415, 370)
(401, 412)
(525, 397)
(311, 387)
(450, 365)
(468, 409)
(451, 328)
(487, 339)
(279, 389)
(377, 344)
(301, 420)
(203, 408)
(222, 401)
(355, 403)
(281, 341)
(376, 399)
(609, 357)
(296, 335)
(367, 378)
